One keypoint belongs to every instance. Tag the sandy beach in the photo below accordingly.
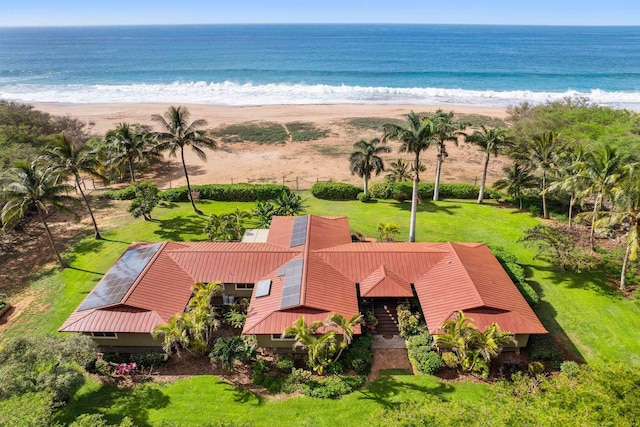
(297, 163)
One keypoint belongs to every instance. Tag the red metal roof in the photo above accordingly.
(447, 277)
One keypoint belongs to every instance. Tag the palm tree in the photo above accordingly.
(457, 337)
(174, 334)
(264, 211)
(320, 348)
(517, 180)
(31, 186)
(626, 199)
(346, 327)
(489, 343)
(600, 172)
(544, 151)
(177, 133)
(366, 160)
(570, 171)
(399, 172)
(447, 130)
(491, 141)
(128, 144)
(289, 204)
(70, 159)
(416, 135)
(387, 231)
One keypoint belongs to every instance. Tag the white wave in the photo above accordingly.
(234, 94)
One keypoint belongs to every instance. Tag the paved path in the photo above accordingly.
(388, 353)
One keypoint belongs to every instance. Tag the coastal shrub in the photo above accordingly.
(392, 190)
(515, 271)
(477, 120)
(335, 191)
(366, 198)
(260, 132)
(305, 131)
(358, 355)
(421, 355)
(227, 192)
(127, 193)
(372, 123)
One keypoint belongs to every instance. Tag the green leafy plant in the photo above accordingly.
(335, 191)
(421, 354)
(227, 350)
(145, 200)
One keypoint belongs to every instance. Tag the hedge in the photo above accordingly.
(335, 191)
(389, 190)
(219, 192)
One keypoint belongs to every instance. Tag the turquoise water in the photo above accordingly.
(299, 64)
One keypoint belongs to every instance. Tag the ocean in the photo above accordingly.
(322, 64)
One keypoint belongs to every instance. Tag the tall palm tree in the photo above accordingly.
(570, 172)
(71, 159)
(399, 172)
(129, 144)
(416, 135)
(174, 334)
(490, 141)
(29, 186)
(177, 133)
(366, 159)
(626, 200)
(346, 327)
(447, 130)
(517, 180)
(600, 172)
(544, 151)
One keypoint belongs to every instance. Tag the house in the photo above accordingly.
(302, 266)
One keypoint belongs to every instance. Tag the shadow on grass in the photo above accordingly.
(242, 395)
(177, 229)
(116, 403)
(385, 389)
(428, 206)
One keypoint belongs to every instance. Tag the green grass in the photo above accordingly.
(371, 123)
(305, 131)
(207, 398)
(260, 132)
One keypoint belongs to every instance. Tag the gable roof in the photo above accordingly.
(324, 278)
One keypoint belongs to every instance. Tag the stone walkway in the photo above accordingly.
(388, 353)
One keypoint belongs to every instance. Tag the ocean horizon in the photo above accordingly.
(262, 64)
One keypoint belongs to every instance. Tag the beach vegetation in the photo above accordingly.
(259, 132)
(177, 133)
(365, 161)
(127, 146)
(305, 131)
(371, 123)
(480, 120)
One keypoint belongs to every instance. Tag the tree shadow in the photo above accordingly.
(180, 228)
(242, 395)
(122, 402)
(428, 206)
(385, 389)
(592, 280)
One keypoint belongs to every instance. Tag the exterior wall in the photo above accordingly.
(127, 341)
(267, 342)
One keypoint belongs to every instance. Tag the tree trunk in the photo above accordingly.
(484, 179)
(93, 219)
(414, 202)
(545, 214)
(593, 223)
(186, 175)
(366, 184)
(53, 245)
(133, 178)
(623, 273)
(436, 187)
(571, 202)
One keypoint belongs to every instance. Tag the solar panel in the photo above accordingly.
(292, 284)
(117, 282)
(299, 231)
(281, 271)
(263, 288)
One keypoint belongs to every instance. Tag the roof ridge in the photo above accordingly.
(305, 263)
(466, 272)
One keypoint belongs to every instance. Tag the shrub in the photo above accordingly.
(535, 368)
(365, 198)
(332, 387)
(394, 190)
(401, 196)
(409, 323)
(543, 347)
(148, 359)
(2, 304)
(389, 190)
(274, 383)
(227, 192)
(450, 360)
(358, 355)
(285, 364)
(335, 191)
(305, 131)
(570, 368)
(260, 132)
(127, 193)
(421, 355)
(227, 350)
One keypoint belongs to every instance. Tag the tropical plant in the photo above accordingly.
(626, 199)
(387, 231)
(71, 159)
(570, 175)
(320, 347)
(366, 159)
(401, 171)
(29, 186)
(227, 350)
(600, 172)
(490, 141)
(346, 328)
(518, 178)
(226, 227)
(416, 135)
(446, 130)
(177, 133)
(543, 154)
(264, 211)
(174, 334)
(146, 198)
(129, 144)
(288, 204)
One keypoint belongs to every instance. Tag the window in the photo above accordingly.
(108, 335)
(243, 286)
(278, 337)
(228, 299)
